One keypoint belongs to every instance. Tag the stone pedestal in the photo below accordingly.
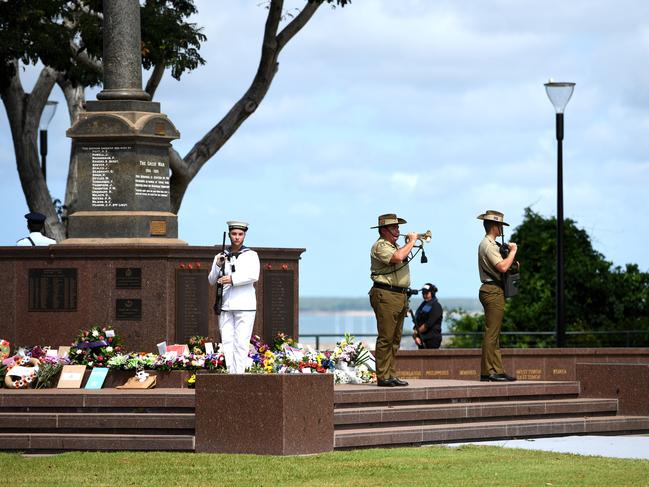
(121, 155)
(629, 383)
(280, 414)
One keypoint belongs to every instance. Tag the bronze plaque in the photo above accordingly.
(52, 290)
(192, 303)
(158, 228)
(128, 278)
(279, 300)
(128, 309)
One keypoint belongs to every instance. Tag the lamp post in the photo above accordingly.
(46, 117)
(559, 94)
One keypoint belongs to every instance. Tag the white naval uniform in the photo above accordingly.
(37, 238)
(239, 306)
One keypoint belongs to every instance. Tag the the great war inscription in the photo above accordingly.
(123, 177)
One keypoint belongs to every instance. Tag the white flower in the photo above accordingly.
(109, 349)
(95, 333)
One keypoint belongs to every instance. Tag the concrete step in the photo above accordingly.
(488, 430)
(470, 412)
(58, 442)
(100, 422)
(442, 391)
(102, 400)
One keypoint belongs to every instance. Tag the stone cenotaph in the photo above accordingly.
(123, 265)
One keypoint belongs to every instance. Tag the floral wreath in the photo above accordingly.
(25, 381)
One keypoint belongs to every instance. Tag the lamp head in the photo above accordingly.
(48, 113)
(559, 93)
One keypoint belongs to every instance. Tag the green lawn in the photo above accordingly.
(465, 466)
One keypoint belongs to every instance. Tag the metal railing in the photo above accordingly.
(476, 336)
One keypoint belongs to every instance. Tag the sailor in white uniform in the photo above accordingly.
(239, 305)
(35, 223)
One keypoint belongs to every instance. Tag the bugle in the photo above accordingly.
(424, 237)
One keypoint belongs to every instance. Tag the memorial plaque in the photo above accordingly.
(128, 278)
(52, 289)
(279, 300)
(192, 303)
(123, 177)
(128, 309)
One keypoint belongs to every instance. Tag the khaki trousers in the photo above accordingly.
(492, 298)
(390, 310)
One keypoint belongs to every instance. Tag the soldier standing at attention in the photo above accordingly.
(389, 295)
(492, 296)
(240, 266)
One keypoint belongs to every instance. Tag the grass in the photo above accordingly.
(465, 466)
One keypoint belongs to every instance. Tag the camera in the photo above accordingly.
(412, 292)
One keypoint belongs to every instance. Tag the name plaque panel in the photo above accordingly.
(52, 289)
(279, 300)
(128, 309)
(128, 278)
(123, 177)
(192, 303)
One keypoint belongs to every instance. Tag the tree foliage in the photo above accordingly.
(599, 297)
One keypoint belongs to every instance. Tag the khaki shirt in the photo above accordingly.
(382, 271)
(488, 257)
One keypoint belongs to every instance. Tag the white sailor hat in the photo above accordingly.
(234, 225)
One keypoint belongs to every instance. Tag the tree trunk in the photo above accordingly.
(24, 113)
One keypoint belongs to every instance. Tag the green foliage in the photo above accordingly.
(599, 297)
(59, 32)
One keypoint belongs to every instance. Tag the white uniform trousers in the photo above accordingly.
(236, 330)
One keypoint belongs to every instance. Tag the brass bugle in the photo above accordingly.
(424, 237)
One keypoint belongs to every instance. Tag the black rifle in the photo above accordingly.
(219, 287)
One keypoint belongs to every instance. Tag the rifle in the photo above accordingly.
(415, 333)
(219, 287)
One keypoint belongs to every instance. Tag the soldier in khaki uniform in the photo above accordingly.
(492, 296)
(389, 296)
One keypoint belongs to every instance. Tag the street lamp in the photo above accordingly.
(559, 94)
(46, 117)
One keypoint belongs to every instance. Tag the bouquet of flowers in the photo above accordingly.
(281, 341)
(197, 343)
(352, 362)
(95, 347)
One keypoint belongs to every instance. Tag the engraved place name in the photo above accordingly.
(152, 179)
(529, 374)
(464, 372)
(128, 309)
(52, 289)
(279, 302)
(104, 161)
(559, 372)
(192, 303)
(438, 373)
(128, 278)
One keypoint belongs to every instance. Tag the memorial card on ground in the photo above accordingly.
(97, 378)
(71, 377)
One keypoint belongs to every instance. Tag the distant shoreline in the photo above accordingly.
(361, 305)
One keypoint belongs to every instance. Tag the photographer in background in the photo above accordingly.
(428, 319)
(491, 265)
(389, 295)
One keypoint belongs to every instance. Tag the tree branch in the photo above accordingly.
(154, 79)
(297, 23)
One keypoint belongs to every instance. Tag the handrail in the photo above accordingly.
(626, 333)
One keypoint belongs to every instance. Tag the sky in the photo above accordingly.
(432, 109)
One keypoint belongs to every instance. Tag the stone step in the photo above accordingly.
(438, 391)
(488, 430)
(470, 412)
(57, 442)
(100, 422)
(108, 400)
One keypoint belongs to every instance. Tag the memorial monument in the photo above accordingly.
(121, 146)
(123, 265)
